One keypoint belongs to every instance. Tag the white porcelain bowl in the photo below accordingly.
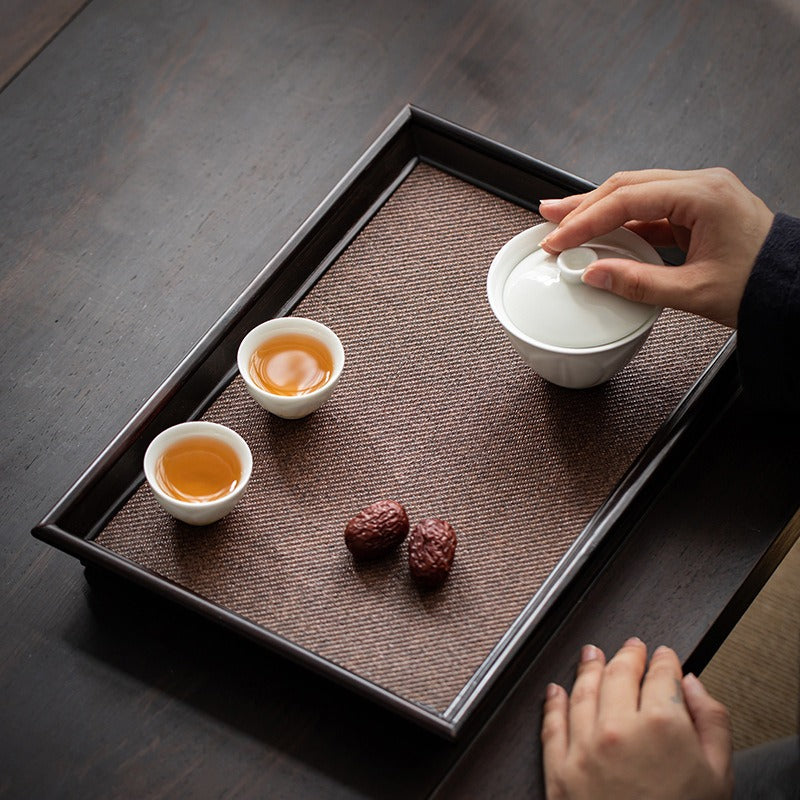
(572, 308)
(290, 406)
(200, 513)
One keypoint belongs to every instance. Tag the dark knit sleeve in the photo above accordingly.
(768, 337)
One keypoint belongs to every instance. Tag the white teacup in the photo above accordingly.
(202, 512)
(282, 405)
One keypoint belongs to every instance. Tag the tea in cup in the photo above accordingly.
(290, 365)
(198, 470)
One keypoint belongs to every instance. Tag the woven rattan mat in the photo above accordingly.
(435, 410)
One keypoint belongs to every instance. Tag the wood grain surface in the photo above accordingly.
(154, 156)
(26, 27)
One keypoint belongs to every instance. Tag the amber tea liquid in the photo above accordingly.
(291, 364)
(198, 469)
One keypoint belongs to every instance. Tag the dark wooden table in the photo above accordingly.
(153, 157)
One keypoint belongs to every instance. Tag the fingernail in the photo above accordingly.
(589, 653)
(634, 640)
(552, 690)
(598, 278)
(545, 243)
(549, 201)
(660, 650)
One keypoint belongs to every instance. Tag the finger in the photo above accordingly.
(644, 283)
(554, 210)
(648, 202)
(661, 688)
(622, 677)
(712, 723)
(584, 696)
(576, 204)
(659, 233)
(683, 287)
(555, 733)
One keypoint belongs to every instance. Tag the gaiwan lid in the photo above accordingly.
(544, 298)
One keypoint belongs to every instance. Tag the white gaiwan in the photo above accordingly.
(571, 334)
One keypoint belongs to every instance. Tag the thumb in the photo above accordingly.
(642, 283)
(712, 723)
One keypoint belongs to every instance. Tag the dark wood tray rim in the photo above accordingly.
(413, 136)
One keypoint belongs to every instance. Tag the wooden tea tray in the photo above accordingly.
(434, 409)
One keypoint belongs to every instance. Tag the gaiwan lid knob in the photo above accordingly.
(545, 299)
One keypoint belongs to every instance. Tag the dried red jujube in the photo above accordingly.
(376, 529)
(431, 550)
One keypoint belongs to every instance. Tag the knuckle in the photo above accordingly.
(636, 286)
(557, 787)
(582, 693)
(580, 762)
(628, 199)
(662, 721)
(722, 181)
(619, 667)
(723, 174)
(618, 179)
(610, 737)
(550, 729)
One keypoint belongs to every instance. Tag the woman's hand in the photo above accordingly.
(619, 737)
(708, 213)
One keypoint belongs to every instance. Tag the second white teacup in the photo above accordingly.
(289, 404)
